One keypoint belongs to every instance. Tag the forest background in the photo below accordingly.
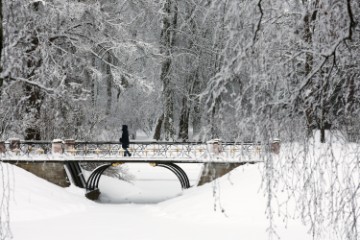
(179, 70)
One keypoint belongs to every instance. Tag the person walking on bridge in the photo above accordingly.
(124, 140)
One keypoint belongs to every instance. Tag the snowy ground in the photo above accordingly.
(42, 211)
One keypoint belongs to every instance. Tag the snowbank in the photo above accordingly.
(32, 198)
(231, 208)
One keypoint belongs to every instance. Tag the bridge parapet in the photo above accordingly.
(141, 151)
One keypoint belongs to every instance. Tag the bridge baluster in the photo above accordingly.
(215, 147)
(70, 146)
(14, 144)
(275, 146)
(57, 146)
(2, 147)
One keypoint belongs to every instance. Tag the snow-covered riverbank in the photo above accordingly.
(231, 208)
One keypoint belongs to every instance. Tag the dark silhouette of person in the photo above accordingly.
(124, 140)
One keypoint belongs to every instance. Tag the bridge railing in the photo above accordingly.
(106, 150)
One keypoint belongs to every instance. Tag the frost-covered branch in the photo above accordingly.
(352, 23)
(258, 26)
(31, 83)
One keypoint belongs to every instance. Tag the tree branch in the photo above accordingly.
(351, 17)
(332, 51)
(259, 22)
(34, 84)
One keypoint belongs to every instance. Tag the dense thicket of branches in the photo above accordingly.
(226, 68)
(235, 69)
(292, 67)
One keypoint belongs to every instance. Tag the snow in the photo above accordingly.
(40, 210)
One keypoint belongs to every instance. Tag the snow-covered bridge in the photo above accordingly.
(141, 151)
(161, 154)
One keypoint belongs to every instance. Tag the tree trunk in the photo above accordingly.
(32, 109)
(1, 31)
(33, 94)
(308, 68)
(108, 86)
(184, 120)
(168, 99)
(350, 100)
(196, 109)
(168, 40)
(196, 117)
(191, 81)
(215, 128)
(157, 133)
(93, 86)
(1, 48)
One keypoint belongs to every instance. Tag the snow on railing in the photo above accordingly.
(141, 151)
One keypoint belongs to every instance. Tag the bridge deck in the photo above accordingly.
(123, 160)
(176, 152)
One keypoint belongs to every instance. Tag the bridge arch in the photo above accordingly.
(178, 171)
(92, 184)
(93, 181)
